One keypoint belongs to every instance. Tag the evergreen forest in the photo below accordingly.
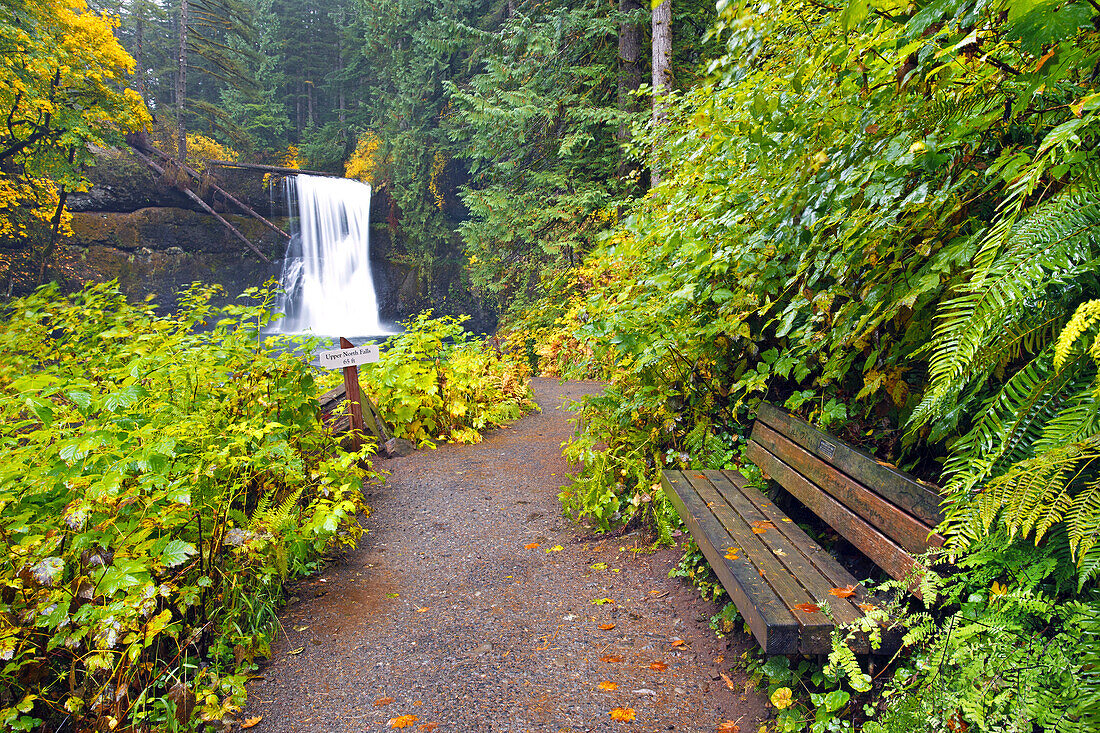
(882, 215)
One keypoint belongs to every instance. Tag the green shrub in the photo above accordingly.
(436, 382)
(162, 478)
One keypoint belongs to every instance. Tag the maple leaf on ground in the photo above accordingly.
(428, 727)
(623, 715)
(807, 607)
(531, 546)
(611, 658)
(383, 701)
(846, 592)
(658, 666)
(402, 722)
(606, 627)
(729, 727)
(607, 685)
(251, 722)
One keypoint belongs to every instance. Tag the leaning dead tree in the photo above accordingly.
(177, 173)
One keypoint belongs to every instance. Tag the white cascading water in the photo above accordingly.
(326, 273)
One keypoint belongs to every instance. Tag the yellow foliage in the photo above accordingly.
(28, 204)
(438, 163)
(200, 149)
(290, 158)
(60, 60)
(363, 163)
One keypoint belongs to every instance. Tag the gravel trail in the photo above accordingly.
(446, 609)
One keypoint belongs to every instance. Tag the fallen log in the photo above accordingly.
(269, 168)
(233, 199)
(205, 207)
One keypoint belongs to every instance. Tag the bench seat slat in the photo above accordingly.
(887, 554)
(815, 628)
(771, 622)
(815, 585)
(791, 554)
(825, 564)
(908, 531)
(918, 499)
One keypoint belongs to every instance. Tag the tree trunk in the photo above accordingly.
(139, 52)
(630, 71)
(662, 80)
(343, 116)
(181, 86)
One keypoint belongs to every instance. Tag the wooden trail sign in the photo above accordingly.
(348, 358)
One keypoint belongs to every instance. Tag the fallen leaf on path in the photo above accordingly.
(760, 526)
(731, 554)
(531, 546)
(556, 548)
(601, 601)
(808, 607)
(251, 722)
(729, 727)
(607, 685)
(658, 666)
(606, 627)
(422, 610)
(428, 727)
(392, 595)
(599, 566)
(383, 701)
(678, 642)
(624, 715)
(611, 658)
(726, 678)
(846, 592)
(299, 650)
(403, 722)
(418, 702)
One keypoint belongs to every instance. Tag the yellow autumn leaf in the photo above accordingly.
(781, 698)
(608, 685)
(251, 722)
(402, 722)
(623, 715)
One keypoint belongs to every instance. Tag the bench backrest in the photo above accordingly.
(886, 514)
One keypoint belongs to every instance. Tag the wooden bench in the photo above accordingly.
(777, 576)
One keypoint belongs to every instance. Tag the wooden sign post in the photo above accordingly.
(348, 358)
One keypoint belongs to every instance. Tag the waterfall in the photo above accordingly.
(326, 275)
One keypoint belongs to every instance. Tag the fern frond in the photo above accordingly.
(267, 515)
(1012, 298)
(1013, 421)
(1086, 316)
(1036, 494)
